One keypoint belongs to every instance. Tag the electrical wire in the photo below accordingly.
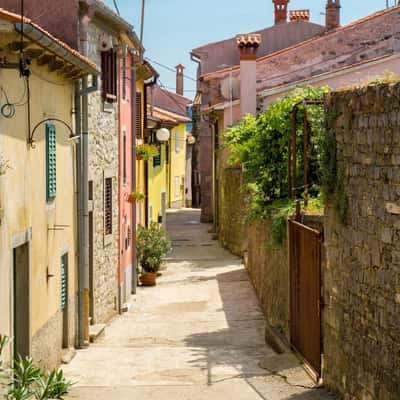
(116, 6)
(7, 110)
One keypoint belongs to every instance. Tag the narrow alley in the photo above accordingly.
(199, 334)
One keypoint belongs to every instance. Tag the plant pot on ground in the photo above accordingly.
(152, 245)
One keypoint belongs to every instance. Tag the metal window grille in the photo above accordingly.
(64, 280)
(124, 80)
(108, 206)
(109, 75)
(124, 157)
(51, 162)
(138, 115)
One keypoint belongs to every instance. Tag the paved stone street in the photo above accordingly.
(199, 334)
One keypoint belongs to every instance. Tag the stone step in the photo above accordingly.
(95, 331)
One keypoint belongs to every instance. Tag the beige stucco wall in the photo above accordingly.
(23, 198)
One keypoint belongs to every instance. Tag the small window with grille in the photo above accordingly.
(51, 162)
(108, 206)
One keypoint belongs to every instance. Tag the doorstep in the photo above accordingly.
(95, 331)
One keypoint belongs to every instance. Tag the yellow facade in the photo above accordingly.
(157, 175)
(48, 227)
(177, 166)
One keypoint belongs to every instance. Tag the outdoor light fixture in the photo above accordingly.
(163, 135)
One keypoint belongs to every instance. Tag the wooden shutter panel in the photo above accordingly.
(109, 75)
(108, 206)
(138, 115)
(51, 162)
(64, 280)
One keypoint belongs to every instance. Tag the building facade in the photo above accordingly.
(38, 224)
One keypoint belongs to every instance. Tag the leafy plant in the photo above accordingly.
(147, 151)
(136, 196)
(152, 245)
(260, 145)
(25, 381)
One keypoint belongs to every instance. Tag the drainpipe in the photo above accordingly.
(133, 170)
(83, 325)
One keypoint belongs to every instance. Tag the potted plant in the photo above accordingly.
(152, 245)
(136, 197)
(146, 151)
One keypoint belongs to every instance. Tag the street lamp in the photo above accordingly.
(163, 135)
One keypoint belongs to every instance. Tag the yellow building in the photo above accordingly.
(167, 173)
(38, 242)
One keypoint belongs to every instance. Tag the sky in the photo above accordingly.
(172, 28)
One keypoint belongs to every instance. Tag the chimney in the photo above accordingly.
(281, 7)
(248, 45)
(332, 14)
(179, 79)
(299, 15)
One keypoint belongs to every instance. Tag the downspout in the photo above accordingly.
(83, 326)
(133, 171)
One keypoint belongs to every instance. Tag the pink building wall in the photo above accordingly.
(126, 242)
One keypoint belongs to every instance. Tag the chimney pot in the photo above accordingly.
(179, 79)
(299, 15)
(281, 8)
(332, 14)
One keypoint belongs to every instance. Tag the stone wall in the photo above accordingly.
(103, 162)
(361, 325)
(268, 267)
(232, 211)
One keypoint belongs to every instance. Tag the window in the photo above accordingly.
(109, 75)
(51, 162)
(64, 280)
(124, 80)
(138, 115)
(108, 206)
(124, 157)
(177, 141)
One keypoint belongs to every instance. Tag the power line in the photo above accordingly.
(116, 6)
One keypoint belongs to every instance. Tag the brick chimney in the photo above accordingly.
(281, 8)
(248, 46)
(299, 15)
(179, 79)
(332, 14)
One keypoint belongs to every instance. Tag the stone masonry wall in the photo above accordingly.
(361, 325)
(103, 162)
(232, 211)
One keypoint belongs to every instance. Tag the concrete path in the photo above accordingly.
(199, 334)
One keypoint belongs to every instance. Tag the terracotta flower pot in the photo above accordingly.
(139, 157)
(148, 279)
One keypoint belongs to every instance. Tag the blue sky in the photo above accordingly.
(174, 27)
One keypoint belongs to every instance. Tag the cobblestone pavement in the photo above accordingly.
(199, 334)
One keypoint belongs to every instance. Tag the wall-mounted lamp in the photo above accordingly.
(163, 135)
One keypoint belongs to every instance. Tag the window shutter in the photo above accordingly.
(51, 162)
(157, 160)
(64, 280)
(109, 75)
(138, 115)
(108, 206)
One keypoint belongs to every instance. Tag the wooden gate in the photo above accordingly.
(305, 292)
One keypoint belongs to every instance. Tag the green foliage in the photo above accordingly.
(147, 151)
(152, 245)
(261, 146)
(24, 381)
(136, 196)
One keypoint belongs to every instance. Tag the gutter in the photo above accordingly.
(48, 43)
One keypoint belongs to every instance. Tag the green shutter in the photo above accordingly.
(157, 160)
(51, 162)
(64, 286)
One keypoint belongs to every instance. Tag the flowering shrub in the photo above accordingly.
(147, 151)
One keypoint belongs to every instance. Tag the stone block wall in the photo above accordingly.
(103, 162)
(232, 229)
(361, 324)
(268, 267)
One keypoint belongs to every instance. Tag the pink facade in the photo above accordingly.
(125, 176)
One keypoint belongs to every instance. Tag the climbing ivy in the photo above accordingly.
(260, 145)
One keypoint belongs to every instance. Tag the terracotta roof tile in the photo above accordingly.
(17, 19)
